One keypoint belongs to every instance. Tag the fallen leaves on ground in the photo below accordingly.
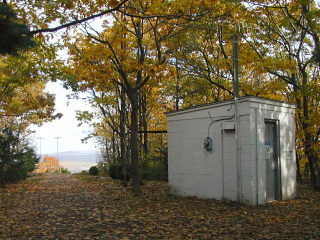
(64, 206)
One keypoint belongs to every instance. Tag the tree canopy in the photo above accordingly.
(138, 59)
(14, 35)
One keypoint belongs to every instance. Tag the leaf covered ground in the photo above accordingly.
(64, 206)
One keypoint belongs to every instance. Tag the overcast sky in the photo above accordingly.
(66, 127)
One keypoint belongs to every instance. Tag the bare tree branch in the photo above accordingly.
(76, 22)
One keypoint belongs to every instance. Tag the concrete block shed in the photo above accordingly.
(203, 154)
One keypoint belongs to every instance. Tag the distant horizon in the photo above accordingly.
(72, 151)
(64, 133)
(76, 161)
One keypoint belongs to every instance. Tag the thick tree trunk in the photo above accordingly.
(298, 168)
(310, 152)
(313, 163)
(135, 173)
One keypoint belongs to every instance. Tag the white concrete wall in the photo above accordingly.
(194, 171)
(229, 165)
(247, 160)
(285, 115)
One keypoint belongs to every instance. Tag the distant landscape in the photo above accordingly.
(76, 161)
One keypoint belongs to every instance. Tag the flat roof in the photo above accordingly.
(225, 102)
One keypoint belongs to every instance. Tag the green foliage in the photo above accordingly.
(65, 170)
(16, 158)
(13, 34)
(155, 168)
(117, 171)
(94, 171)
(103, 169)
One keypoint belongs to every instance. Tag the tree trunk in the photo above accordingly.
(313, 163)
(144, 124)
(123, 154)
(122, 127)
(140, 126)
(106, 156)
(135, 173)
(299, 178)
(2, 183)
(113, 147)
(177, 93)
(310, 153)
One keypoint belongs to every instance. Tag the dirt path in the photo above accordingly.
(57, 207)
(64, 206)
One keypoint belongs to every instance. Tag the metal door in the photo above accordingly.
(272, 162)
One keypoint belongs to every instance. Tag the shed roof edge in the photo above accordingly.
(225, 102)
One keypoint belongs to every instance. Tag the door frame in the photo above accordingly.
(278, 182)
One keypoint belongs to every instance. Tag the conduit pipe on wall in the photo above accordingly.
(217, 120)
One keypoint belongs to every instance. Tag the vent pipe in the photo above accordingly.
(235, 66)
(237, 116)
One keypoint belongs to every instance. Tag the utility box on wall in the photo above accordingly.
(203, 154)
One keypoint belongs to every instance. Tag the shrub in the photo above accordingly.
(103, 168)
(117, 171)
(94, 171)
(17, 157)
(155, 171)
(114, 171)
(16, 174)
(65, 170)
(155, 167)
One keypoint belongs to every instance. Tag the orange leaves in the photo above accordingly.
(113, 3)
(84, 207)
(48, 164)
(68, 4)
